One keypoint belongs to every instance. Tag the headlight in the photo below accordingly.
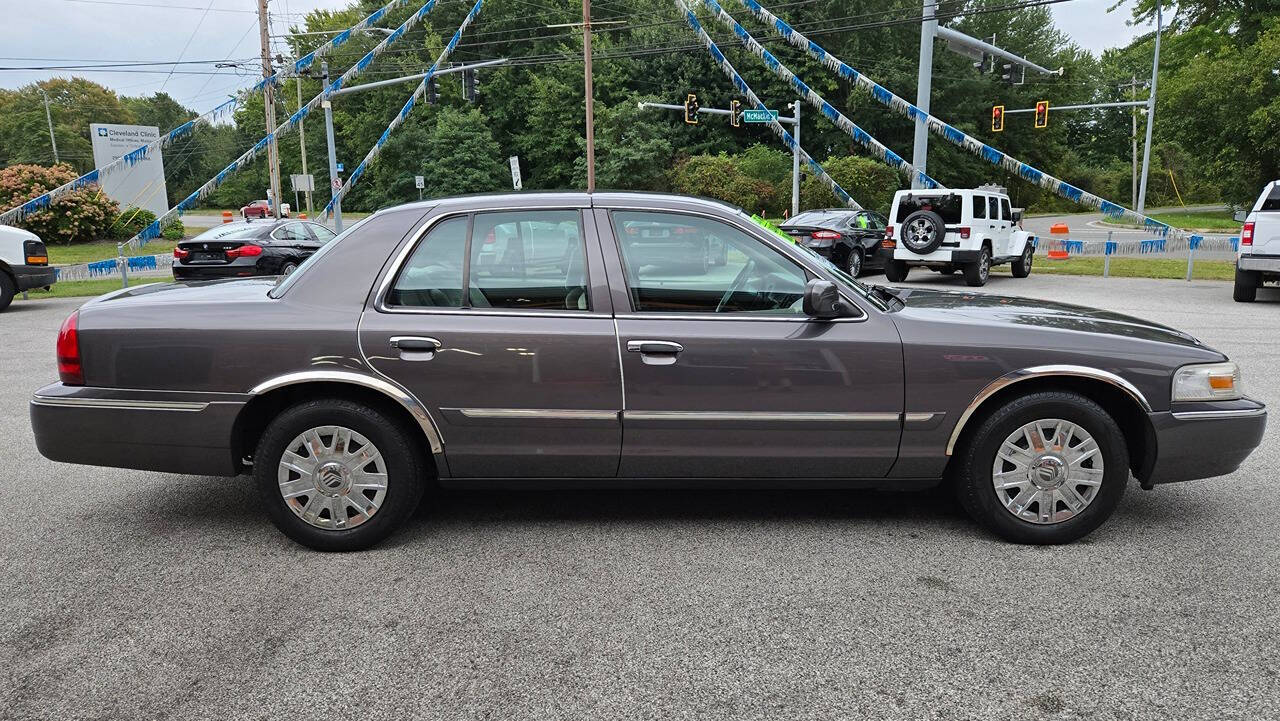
(1207, 382)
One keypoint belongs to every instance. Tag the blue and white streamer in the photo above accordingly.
(418, 92)
(1168, 243)
(861, 136)
(953, 134)
(128, 160)
(111, 267)
(153, 230)
(774, 125)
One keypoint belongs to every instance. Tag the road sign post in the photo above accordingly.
(516, 182)
(419, 182)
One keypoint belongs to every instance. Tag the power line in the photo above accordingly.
(126, 3)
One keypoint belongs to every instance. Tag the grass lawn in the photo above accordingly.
(1171, 268)
(87, 288)
(1213, 220)
(89, 252)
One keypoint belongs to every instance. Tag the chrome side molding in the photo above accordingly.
(559, 414)
(1217, 415)
(391, 390)
(1048, 371)
(121, 404)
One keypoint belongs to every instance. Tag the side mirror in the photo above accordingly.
(822, 300)
(1241, 215)
(1017, 215)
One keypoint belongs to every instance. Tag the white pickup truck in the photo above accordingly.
(953, 229)
(1258, 259)
(24, 264)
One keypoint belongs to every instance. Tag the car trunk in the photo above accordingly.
(212, 252)
(803, 235)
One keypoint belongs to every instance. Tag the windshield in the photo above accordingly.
(287, 281)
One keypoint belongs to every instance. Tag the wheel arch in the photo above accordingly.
(272, 396)
(1117, 396)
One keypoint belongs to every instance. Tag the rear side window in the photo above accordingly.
(950, 207)
(1272, 201)
(979, 206)
(521, 259)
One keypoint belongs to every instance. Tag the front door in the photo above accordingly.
(494, 324)
(724, 375)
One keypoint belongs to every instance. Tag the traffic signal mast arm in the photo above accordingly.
(1090, 106)
(710, 111)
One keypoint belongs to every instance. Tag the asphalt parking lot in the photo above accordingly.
(144, 595)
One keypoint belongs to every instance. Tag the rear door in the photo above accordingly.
(725, 377)
(500, 322)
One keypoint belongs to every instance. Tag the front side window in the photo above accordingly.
(668, 263)
(518, 259)
(1005, 212)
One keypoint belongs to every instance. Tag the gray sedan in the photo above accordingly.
(530, 340)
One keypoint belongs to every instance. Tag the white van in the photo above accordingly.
(24, 264)
(947, 230)
(1258, 259)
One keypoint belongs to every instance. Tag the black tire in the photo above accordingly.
(977, 272)
(406, 472)
(973, 477)
(923, 232)
(1245, 291)
(1022, 266)
(853, 262)
(895, 271)
(288, 268)
(8, 289)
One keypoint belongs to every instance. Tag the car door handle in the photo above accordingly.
(655, 347)
(416, 347)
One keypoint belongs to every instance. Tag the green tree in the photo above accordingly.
(464, 156)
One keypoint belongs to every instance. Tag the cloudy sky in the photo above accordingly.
(79, 32)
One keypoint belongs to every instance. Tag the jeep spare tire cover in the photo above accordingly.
(922, 232)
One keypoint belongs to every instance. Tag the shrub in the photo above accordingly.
(77, 217)
(868, 181)
(134, 220)
(719, 177)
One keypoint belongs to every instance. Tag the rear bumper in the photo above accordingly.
(1263, 263)
(175, 432)
(1204, 442)
(241, 268)
(33, 276)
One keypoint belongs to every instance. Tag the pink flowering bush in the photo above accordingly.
(77, 217)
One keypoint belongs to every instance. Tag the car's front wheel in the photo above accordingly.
(336, 475)
(1022, 266)
(8, 289)
(1045, 468)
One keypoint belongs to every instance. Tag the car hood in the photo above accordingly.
(218, 291)
(1015, 311)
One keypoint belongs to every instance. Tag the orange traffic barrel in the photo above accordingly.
(226, 216)
(1059, 229)
(1058, 255)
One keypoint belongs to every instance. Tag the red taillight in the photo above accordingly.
(244, 251)
(825, 235)
(888, 232)
(180, 254)
(1246, 234)
(964, 232)
(69, 369)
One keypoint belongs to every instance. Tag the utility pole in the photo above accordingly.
(1132, 85)
(269, 104)
(591, 130)
(1151, 113)
(302, 140)
(795, 162)
(924, 80)
(49, 117)
(334, 181)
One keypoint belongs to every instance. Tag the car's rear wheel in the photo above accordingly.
(853, 264)
(288, 268)
(1045, 468)
(895, 271)
(977, 272)
(7, 290)
(1246, 288)
(1022, 266)
(336, 475)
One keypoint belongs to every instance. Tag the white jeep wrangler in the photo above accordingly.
(24, 264)
(949, 230)
(1258, 260)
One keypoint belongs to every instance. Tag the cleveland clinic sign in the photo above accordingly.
(140, 185)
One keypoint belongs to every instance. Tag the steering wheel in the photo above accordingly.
(737, 284)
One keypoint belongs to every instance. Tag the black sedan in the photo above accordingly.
(849, 238)
(238, 250)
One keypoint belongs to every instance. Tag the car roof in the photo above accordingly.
(573, 199)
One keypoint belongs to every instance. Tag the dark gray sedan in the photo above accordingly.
(526, 340)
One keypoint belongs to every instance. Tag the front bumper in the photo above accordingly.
(171, 431)
(1203, 440)
(34, 276)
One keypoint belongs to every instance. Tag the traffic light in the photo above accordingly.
(433, 96)
(997, 119)
(735, 112)
(469, 85)
(1042, 114)
(1007, 75)
(691, 109)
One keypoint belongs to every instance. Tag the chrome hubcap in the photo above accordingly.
(1047, 471)
(332, 477)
